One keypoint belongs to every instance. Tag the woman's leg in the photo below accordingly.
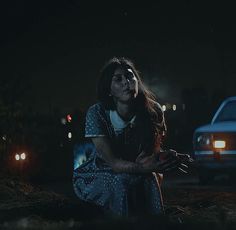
(123, 192)
(154, 202)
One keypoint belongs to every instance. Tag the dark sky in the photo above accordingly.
(60, 46)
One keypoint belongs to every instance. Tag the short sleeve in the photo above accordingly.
(95, 123)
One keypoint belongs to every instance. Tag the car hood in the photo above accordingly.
(224, 126)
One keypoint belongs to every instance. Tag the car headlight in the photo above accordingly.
(203, 141)
(23, 156)
(20, 156)
(17, 157)
(219, 144)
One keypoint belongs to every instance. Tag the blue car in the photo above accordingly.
(215, 143)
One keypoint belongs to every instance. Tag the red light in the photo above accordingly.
(69, 118)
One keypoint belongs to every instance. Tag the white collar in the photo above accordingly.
(117, 122)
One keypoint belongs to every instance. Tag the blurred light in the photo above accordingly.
(23, 156)
(219, 144)
(17, 157)
(4, 137)
(174, 107)
(183, 106)
(69, 135)
(168, 106)
(63, 121)
(164, 107)
(69, 118)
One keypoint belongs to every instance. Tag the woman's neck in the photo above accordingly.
(125, 110)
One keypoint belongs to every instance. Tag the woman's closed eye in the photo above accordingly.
(129, 76)
(117, 77)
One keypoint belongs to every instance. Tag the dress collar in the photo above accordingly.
(118, 122)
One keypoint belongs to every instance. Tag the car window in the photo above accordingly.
(228, 112)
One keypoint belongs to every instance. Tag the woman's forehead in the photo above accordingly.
(121, 70)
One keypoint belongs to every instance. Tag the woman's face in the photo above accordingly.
(124, 85)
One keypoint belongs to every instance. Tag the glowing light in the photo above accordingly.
(63, 121)
(69, 118)
(23, 156)
(69, 135)
(219, 144)
(168, 106)
(17, 157)
(164, 107)
(174, 107)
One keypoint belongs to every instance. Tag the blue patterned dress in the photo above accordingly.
(94, 181)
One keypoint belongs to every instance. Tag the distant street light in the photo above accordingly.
(69, 118)
(164, 107)
(63, 121)
(17, 157)
(23, 156)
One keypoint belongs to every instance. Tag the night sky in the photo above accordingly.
(60, 46)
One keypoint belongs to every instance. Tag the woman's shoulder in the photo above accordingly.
(97, 107)
(97, 110)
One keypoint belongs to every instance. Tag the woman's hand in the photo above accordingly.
(164, 161)
(151, 163)
(182, 159)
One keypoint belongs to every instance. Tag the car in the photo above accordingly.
(214, 144)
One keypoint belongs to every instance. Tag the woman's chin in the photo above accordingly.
(128, 98)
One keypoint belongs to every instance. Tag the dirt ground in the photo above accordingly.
(54, 206)
(186, 199)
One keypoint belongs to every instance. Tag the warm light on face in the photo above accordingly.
(17, 157)
(219, 144)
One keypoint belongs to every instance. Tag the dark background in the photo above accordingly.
(52, 51)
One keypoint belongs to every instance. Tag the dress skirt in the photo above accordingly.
(121, 193)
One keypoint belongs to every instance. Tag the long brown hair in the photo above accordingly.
(148, 109)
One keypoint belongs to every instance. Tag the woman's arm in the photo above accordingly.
(103, 146)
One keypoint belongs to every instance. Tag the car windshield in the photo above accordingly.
(227, 113)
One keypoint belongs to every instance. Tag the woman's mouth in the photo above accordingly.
(127, 91)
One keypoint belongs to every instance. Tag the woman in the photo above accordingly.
(127, 127)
